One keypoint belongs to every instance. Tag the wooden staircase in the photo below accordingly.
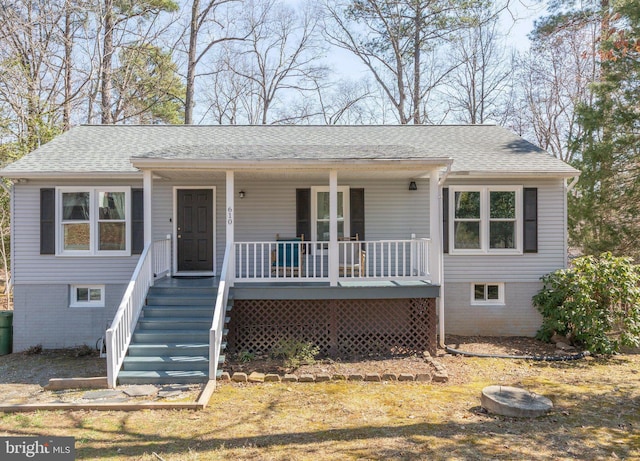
(171, 341)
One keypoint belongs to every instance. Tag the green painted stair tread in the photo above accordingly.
(174, 323)
(162, 377)
(167, 359)
(178, 310)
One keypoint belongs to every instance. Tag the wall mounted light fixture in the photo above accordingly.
(413, 185)
(241, 193)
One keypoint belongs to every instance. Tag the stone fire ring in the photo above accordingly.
(515, 402)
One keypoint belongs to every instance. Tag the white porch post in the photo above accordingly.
(435, 227)
(230, 219)
(147, 193)
(333, 228)
(435, 250)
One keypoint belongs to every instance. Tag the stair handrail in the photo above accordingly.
(217, 324)
(118, 336)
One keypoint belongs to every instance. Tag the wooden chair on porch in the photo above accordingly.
(288, 256)
(352, 258)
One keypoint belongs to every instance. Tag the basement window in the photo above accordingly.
(87, 296)
(487, 293)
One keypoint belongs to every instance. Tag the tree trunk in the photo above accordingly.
(191, 64)
(68, 49)
(417, 44)
(107, 59)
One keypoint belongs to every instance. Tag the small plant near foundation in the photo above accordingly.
(34, 350)
(246, 356)
(85, 351)
(295, 353)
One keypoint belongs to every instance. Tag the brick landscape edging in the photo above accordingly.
(440, 375)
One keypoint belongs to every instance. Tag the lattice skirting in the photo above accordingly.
(339, 327)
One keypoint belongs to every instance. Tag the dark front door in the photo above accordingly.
(195, 230)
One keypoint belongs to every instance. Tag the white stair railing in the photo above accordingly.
(153, 260)
(217, 325)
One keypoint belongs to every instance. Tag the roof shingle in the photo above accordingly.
(483, 149)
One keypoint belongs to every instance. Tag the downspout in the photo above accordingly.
(567, 189)
(445, 176)
(440, 300)
(441, 297)
(11, 192)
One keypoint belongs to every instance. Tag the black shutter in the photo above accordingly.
(445, 220)
(137, 221)
(356, 198)
(47, 221)
(530, 199)
(303, 213)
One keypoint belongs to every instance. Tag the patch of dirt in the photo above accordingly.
(345, 366)
(503, 345)
(22, 375)
(412, 364)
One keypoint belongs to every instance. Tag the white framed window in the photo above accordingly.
(93, 221)
(487, 293)
(320, 213)
(86, 296)
(486, 219)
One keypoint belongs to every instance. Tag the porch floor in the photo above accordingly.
(312, 290)
(187, 282)
(207, 282)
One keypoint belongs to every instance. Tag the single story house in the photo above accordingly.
(360, 239)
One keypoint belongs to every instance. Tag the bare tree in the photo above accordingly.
(479, 88)
(281, 55)
(204, 18)
(347, 102)
(555, 77)
(395, 40)
(30, 46)
(114, 22)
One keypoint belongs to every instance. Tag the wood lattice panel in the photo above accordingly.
(343, 327)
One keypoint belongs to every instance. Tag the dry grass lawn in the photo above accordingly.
(596, 416)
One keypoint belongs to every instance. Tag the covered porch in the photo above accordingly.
(302, 223)
(346, 255)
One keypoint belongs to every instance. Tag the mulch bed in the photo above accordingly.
(398, 364)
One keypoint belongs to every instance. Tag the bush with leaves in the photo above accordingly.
(596, 303)
(295, 353)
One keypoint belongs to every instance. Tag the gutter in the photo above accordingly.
(11, 193)
(444, 177)
(572, 184)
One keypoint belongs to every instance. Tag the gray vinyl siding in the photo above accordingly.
(526, 267)
(30, 267)
(517, 317)
(42, 316)
(391, 210)
(519, 273)
(163, 210)
(269, 208)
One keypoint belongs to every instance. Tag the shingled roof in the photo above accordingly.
(474, 149)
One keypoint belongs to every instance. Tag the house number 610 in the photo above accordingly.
(229, 215)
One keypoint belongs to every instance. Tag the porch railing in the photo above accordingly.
(154, 260)
(217, 325)
(282, 261)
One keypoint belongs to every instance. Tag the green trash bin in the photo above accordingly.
(6, 332)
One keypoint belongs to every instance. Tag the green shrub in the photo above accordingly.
(246, 356)
(596, 303)
(295, 353)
